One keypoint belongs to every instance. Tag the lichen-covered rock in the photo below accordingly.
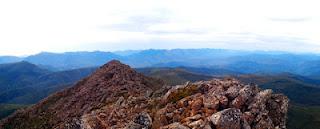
(278, 107)
(227, 119)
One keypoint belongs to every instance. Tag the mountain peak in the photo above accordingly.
(116, 70)
(106, 85)
(115, 64)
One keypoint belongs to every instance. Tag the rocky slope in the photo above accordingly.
(115, 96)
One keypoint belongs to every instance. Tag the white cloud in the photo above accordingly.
(32, 26)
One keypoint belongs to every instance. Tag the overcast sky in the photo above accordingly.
(32, 26)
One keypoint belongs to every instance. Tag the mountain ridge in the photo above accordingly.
(116, 96)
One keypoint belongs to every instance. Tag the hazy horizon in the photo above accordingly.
(137, 50)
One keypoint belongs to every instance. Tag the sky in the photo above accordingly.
(32, 26)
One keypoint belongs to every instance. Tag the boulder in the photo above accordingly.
(227, 119)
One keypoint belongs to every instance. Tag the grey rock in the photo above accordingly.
(227, 119)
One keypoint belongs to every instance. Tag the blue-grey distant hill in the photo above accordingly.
(26, 83)
(71, 60)
(9, 59)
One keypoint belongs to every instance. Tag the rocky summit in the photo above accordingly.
(117, 97)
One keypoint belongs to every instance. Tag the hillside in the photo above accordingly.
(26, 83)
(112, 97)
(173, 76)
(17, 75)
(303, 117)
(299, 91)
(7, 109)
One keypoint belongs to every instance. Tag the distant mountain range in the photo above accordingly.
(229, 60)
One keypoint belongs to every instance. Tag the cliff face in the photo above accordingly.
(116, 96)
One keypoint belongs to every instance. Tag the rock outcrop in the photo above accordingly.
(222, 104)
(116, 96)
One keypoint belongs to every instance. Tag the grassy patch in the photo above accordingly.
(7, 109)
(183, 92)
(303, 117)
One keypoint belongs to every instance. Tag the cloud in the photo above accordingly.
(139, 22)
(187, 31)
(156, 23)
(135, 23)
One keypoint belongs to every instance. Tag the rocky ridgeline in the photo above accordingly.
(221, 104)
(116, 96)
